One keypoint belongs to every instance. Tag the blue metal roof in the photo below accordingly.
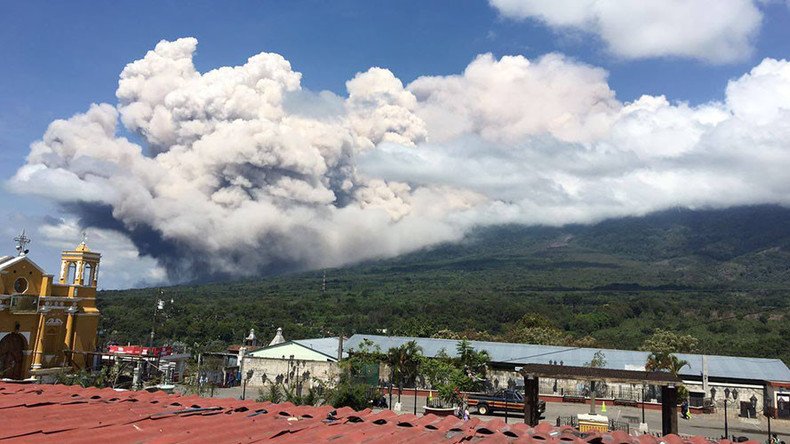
(731, 367)
(327, 346)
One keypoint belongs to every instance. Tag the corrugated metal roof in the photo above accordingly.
(72, 414)
(324, 346)
(327, 346)
(732, 367)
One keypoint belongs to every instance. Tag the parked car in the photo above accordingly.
(499, 401)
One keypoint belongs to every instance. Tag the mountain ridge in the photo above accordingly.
(721, 275)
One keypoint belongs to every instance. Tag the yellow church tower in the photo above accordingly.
(47, 327)
(79, 266)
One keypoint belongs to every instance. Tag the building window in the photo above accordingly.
(71, 273)
(20, 285)
(24, 303)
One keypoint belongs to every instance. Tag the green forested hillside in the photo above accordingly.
(722, 276)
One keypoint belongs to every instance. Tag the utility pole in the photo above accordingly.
(200, 355)
(415, 397)
(159, 304)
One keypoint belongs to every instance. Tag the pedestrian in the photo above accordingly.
(684, 409)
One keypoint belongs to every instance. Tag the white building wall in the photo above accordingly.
(288, 350)
(323, 371)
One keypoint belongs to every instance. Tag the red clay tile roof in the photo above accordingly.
(69, 414)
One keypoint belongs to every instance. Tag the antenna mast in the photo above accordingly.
(21, 243)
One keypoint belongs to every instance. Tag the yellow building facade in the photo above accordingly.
(47, 326)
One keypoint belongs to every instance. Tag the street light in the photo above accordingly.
(727, 394)
(643, 404)
(726, 425)
(250, 372)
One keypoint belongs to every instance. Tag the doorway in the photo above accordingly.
(12, 355)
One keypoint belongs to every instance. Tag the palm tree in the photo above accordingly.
(675, 364)
(404, 362)
(657, 361)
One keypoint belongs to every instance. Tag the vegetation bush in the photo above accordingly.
(349, 395)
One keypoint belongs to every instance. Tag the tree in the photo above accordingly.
(663, 361)
(538, 335)
(349, 395)
(666, 341)
(357, 366)
(675, 364)
(598, 360)
(472, 361)
(436, 371)
(404, 362)
(657, 361)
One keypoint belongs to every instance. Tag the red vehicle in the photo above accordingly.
(139, 350)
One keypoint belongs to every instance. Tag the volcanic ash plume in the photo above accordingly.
(230, 179)
(239, 170)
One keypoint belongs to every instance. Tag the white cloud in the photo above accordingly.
(507, 98)
(645, 156)
(717, 31)
(250, 172)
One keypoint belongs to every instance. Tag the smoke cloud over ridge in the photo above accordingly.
(242, 171)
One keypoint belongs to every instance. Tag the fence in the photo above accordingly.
(574, 422)
(568, 421)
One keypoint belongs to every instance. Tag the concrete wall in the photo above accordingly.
(549, 386)
(307, 371)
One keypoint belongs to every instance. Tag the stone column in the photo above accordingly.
(38, 352)
(669, 410)
(531, 401)
(79, 277)
(64, 270)
(95, 278)
(68, 340)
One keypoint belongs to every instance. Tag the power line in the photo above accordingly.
(544, 354)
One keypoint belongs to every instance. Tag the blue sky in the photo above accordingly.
(59, 57)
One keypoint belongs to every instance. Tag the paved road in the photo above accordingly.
(711, 425)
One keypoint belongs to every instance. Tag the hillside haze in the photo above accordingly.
(720, 275)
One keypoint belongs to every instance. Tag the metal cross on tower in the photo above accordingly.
(21, 243)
